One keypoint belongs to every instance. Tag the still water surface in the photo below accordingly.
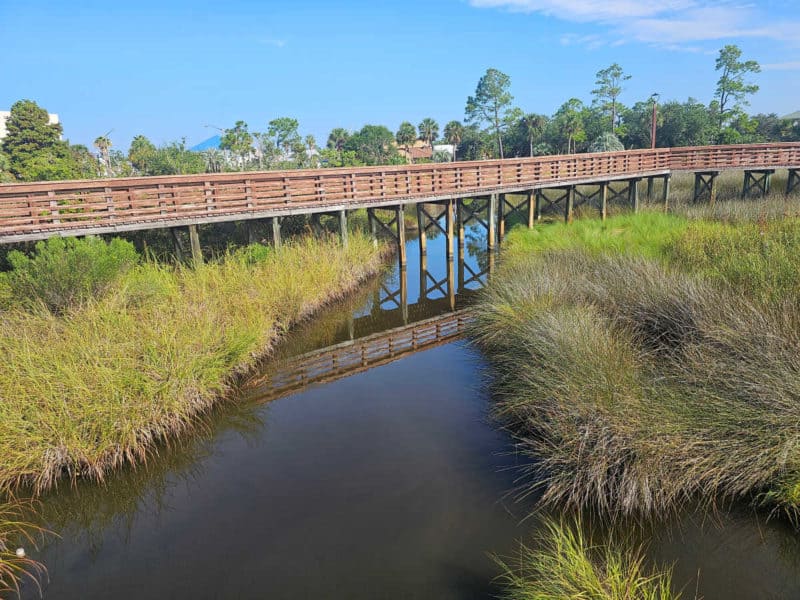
(391, 483)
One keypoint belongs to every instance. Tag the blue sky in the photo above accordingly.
(167, 68)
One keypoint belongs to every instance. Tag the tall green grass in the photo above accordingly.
(567, 564)
(635, 384)
(100, 384)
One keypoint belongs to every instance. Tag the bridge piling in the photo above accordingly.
(460, 224)
(665, 192)
(501, 217)
(603, 200)
(531, 212)
(422, 227)
(793, 181)
(449, 227)
(537, 209)
(633, 194)
(705, 186)
(343, 227)
(569, 202)
(756, 183)
(400, 215)
(492, 223)
(194, 239)
(180, 252)
(276, 232)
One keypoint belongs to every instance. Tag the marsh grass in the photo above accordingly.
(101, 384)
(16, 531)
(567, 563)
(635, 384)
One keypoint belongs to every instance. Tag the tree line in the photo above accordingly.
(493, 127)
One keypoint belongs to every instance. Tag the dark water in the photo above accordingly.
(391, 483)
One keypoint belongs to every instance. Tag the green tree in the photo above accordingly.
(428, 131)
(490, 103)
(732, 86)
(284, 133)
(690, 123)
(405, 136)
(374, 145)
(141, 154)
(453, 134)
(175, 159)
(606, 142)
(568, 124)
(239, 142)
(533, 126)
(103, 145)
(609, 87)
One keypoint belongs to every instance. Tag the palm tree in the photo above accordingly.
(453, 134)
(533, 126)
(103, 145)
(428, 131)
(337, 139)
(405, 136)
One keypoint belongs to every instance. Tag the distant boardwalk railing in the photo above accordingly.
(351, 357)
(30, 211)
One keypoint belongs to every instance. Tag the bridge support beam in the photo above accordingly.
(394, 228)
(492, 223)
(276, 232)
(180, 252)
(316, 224)
(507, 207)
(537, 208)
(449, 227)
(756, 183)
(665, 191)
(460, 225)
(569, 203)
(501, 217)
(603, 200)
(531, 209)
(343, 227)
(705, 186)
(633, 194)
(422, 227)
(793, 181)
(194, 240)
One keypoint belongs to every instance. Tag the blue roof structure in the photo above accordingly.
(212, 142)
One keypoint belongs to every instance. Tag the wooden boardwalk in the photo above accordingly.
(355, 356)
(33, 211)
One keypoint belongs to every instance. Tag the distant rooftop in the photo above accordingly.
(795, 116)
(212, 142)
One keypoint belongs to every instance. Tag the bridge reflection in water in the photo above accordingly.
(386, 326)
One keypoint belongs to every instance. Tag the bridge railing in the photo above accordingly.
(43, 207)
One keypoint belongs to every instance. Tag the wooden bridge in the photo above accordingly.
(355, 356)
(34, 211)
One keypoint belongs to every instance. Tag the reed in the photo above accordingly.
(100, 384)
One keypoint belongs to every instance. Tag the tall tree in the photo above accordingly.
(141, 153)
(453, 134)
(284, 133)
(609, 87)
(732, 86)
(428, 131)
(491, 102)
(533, 126)
(374, 145)
(405, 136)
(238, 141)
(103, 145)
(337, 139)
(568, 122)
(30, 136)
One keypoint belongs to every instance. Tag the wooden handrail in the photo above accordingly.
(37, 210)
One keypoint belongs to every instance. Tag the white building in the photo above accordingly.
(5, 114)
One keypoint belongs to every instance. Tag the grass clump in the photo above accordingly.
(66, 271)
(567, 564)
(97, 385)
(16, 532)
(635, 385)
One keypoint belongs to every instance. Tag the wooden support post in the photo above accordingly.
(400, 214)
(603, 200)
(276, 232)
(449, 227)
(793, 181)
(461, 258)
(422, 225)
(537, 211)
(501, 217)
(249, 225)
(316, 224)
(705, 186)
(492, 223)
(757, 183)
(373, 226)
(404, 287)
(633, 193)
(194, 239)
(451, 284)
(343, 227)
(460, 224)
(423, 276)
(569, 202)
(665, 191)
(531, 211)
(176, 238)
(650, 188)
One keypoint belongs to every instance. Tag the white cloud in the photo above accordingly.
(666, 23)
(784, 66)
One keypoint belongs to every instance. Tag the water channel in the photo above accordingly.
(384, 482)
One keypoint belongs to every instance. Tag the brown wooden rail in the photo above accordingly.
(30, 211)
